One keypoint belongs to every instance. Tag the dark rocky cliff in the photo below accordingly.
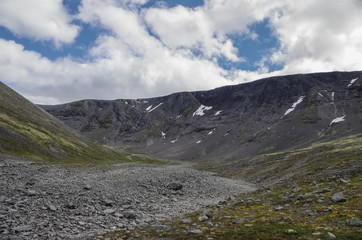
(232, 122)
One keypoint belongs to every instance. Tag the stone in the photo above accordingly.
(338, 197)
(323, 190)
(23, 228)
(51, 207)
(331, 235)
(203, 218)
(344, 181)
(31, 193)
(107, 202)
(87, 187)
(129, 215)
(239, 220)
(175, 186)
(195, 231)
(158, 227)
(109, 211)
(278, 208)
(185, 221)
(354, 222)
(290, 231)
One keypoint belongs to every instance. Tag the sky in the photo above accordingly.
(54, 51)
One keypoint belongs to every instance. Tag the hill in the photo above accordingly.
(29, 132)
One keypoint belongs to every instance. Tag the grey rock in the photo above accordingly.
(338, 197)
(331, 235)
(109, 211)
(323, 190)
(354, 222)
(51, 207)
(185, 221)
(87, 187)
(129, 215)
(175, 186)
(23, 228)
(239, 220)
(195, 231)
(158, 227)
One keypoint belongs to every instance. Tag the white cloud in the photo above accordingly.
(319, 35)
(38, 20)
(129, 62)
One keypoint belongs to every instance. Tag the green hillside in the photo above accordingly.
(30, 132)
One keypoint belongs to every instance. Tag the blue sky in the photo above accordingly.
(55, 51)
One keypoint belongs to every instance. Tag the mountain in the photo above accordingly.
(228, 123)
(29, 132)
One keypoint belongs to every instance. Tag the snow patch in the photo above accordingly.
(126, 103)
(150, 110)
(198, 142)
(163, 135)
(338, 119)
(320, 94)
(332, 96)
(173, 141)
(218, 112)
(210, 133)
(294, 105)
(226, 134)
(178, 116)
(352, 81)
(200, 110)
(145, 101)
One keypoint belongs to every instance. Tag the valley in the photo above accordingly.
(278, 158)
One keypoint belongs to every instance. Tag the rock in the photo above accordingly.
(51, 207)
(129, 215)
(278, 208)
(185, 221)
(175, 186)
(354, 222)
(344, 181)
(70, 205)
(31, 193)
(195, 231)
(290, 231)
(300, 197)
(107, 202)
(239, 220)
(159, 227)
(338, 197)
(87, 187)
(203, 218)
(323, 190)
(331, 235)
(31, 182)
(23, 228)
(109, 211)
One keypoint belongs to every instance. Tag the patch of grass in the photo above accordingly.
(260, 215)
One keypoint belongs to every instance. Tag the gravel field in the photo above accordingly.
(44, 201)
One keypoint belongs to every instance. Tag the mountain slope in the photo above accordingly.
(28, 131)
(232, 122)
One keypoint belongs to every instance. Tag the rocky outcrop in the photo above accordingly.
(232, 122)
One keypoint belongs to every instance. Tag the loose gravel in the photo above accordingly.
(44, 201)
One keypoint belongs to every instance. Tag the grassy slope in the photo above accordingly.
(29, 132)
(275, 212)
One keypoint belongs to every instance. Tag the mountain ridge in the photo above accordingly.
(230, 122)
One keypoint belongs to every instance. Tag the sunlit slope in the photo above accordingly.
(30, 132)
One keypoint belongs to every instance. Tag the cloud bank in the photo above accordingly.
(157, 50)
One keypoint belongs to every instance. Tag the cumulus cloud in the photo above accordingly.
(318, 35)
(39, 20)
(156, 51)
